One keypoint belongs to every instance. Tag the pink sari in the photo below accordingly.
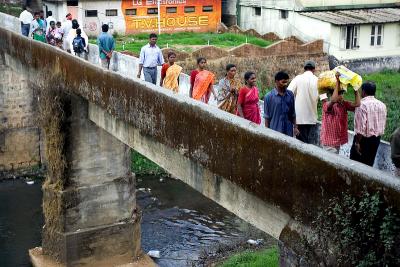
(250, 107)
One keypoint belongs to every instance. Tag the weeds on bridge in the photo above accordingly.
(353, 231)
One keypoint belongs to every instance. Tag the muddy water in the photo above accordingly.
(177, 221)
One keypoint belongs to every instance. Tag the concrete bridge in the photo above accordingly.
(91, 117)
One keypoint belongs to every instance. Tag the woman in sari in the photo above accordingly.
(229, 90)
(247, 105)
(170, 74)
(201, 82)
(38, 28)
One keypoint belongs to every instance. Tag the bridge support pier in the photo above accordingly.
(91, 216)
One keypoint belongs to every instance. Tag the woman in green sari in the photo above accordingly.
(38, 28)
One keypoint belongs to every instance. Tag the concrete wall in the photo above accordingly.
(19, 135)
(229, 15)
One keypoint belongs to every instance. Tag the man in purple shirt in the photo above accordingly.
(150, 57)
(279, 110)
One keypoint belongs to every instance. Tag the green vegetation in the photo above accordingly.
(11, 9)
(143, 166)
(356, 231)
(184, 40)
(264, 258)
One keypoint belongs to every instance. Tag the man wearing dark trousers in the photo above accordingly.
(369, 126)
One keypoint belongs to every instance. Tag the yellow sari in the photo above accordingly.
(171, 78)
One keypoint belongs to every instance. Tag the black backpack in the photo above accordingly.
(78, 45)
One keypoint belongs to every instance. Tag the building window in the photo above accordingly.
(130, 12)
(111, 12)
(284, 14)
(91, 13)
(190, 9)
(349, 37)
(172, 9)
(207, 8)
(152, 11)
(376, 35)
(72, 3)
(257, 11)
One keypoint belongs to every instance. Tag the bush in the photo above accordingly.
(361, 231)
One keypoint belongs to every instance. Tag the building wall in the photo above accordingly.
(229, 14)
(390, 47)
(331, 3)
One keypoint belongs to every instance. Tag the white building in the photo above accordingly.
(351, 29)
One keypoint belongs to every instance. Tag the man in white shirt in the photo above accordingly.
(49, 19)
(304, 88)
(66, 27)
(26, 18)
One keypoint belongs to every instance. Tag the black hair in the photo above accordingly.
(229, 67)
(281, 75)
(41, 11)
(36, 13)
(78, 31)
(58, 23)
(369, 88)
(170, 53)
(49, 13)
(24, 7)
(247, 75)
(75, 24)
(200, 59)
(104, 27)
(308, 67)
(52, 21)
(152, 35)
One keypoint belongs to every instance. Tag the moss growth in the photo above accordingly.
(264, 258)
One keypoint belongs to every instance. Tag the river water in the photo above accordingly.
(177, 221)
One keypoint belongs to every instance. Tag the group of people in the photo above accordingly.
(66, 35)
(289, 108)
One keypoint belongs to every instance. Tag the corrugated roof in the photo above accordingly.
(357, 16)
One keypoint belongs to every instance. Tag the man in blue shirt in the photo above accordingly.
(150, 57)
(106, 46)
(279, 110)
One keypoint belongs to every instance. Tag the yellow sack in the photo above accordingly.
(348, 77)
(327, 80)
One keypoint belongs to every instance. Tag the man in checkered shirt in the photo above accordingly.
(369, 126)
(334, 118)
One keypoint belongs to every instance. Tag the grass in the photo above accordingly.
(143, 166)
(11, 9)
(264, 258)
(184, 40)
(387, 90)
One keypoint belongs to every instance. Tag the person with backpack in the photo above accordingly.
(78, 44)
(72, 34)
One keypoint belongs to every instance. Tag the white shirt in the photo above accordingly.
(26, 17)
(304, 88)
(66, 26)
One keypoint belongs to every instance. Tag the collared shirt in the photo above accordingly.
(304, 87)
(105, 42)
(370, 117)
(334, 123)
(26, 17)
(151, 56)
(279, 110)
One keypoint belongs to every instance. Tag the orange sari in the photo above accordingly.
(202, 83)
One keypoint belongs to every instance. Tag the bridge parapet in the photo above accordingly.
(271, 180)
